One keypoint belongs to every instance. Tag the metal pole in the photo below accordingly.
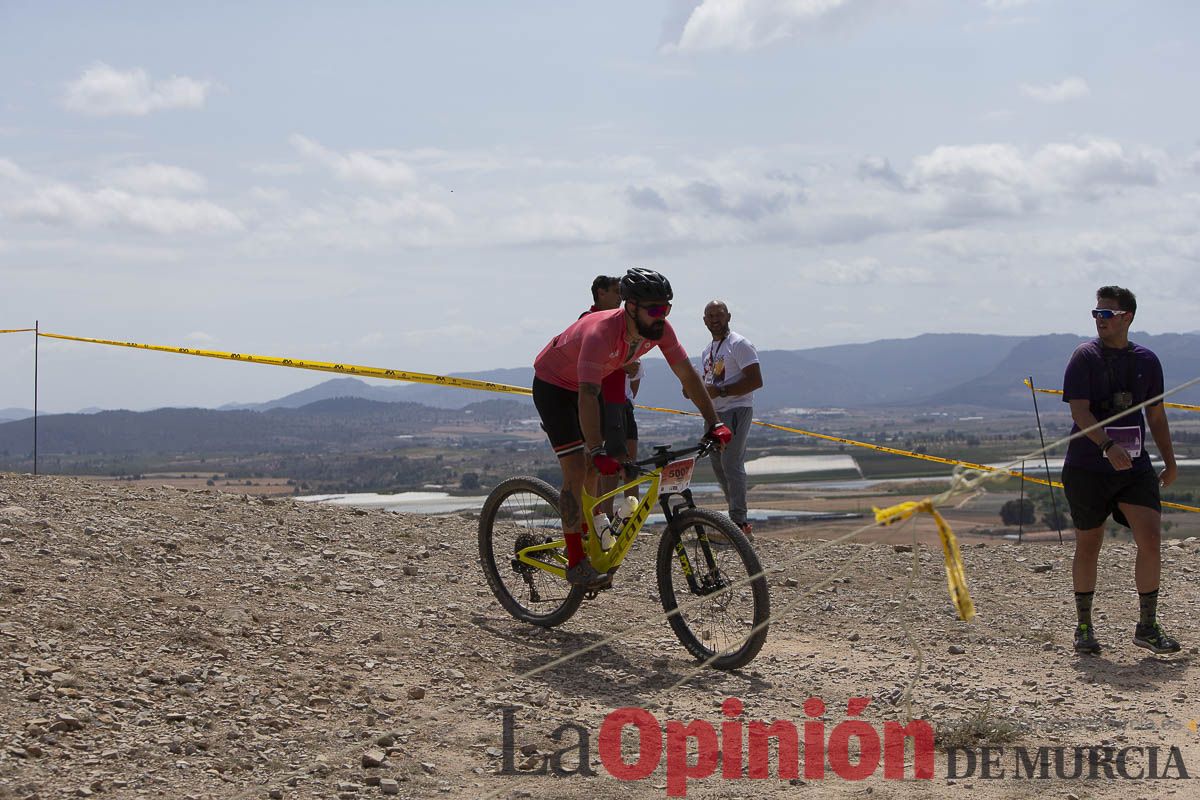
(1021, 508)
(36, 336)
(1045, 459)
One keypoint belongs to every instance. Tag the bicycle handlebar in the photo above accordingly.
(664, 457)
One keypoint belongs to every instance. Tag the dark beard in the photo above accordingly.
(652, 332)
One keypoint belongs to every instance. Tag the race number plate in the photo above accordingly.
(1129, 438)
(677, 476)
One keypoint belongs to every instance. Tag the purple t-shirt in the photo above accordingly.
(1096, 373)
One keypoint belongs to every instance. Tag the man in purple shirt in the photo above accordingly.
(1108, 470)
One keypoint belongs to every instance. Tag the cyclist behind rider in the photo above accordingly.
(617, 391)
(574, 363)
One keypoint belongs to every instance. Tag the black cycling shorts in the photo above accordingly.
(630, 423)
(559, 410)
(1092, 496)
(619, 425)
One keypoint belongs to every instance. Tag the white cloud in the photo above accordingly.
(1062, 92)
(277, 170)
(357, 166)
(748, 24)
(63, 204)
(268, 195)
(864, 271)
(743, 189)
(876, 168)
(40, 199)
(975, 180)
(845, 273)
(364, 225)
(200, 337)
(158, 179)
(399, 210)
(1096, 163)
(10, 171)
(104, 91)
(999, 180)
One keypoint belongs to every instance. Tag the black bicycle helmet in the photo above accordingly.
(645, 285)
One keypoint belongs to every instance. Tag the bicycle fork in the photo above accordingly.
(685, 563)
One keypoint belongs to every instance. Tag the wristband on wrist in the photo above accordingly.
(1107, 444)
(595, 451)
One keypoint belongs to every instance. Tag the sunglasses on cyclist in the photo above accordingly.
(657, 310)
(1107, 313)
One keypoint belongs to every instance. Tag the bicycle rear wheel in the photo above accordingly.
(718, 619)
(520, 513)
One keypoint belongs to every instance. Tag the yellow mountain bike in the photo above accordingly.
(704, 562)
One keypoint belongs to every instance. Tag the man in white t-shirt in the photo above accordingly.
(731, 374)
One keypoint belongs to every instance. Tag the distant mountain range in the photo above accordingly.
(10, 414)
(931, 370)
(342, 424)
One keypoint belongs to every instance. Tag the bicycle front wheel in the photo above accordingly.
(520, 513)
(714, 593)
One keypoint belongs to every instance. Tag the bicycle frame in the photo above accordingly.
(608, 560)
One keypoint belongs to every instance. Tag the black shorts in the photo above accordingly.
(630, 423)
(619, 425)
(1092, 496)
(559, 410)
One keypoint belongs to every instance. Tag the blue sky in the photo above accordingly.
(432, 187)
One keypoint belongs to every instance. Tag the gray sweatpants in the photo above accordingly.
(730, 464)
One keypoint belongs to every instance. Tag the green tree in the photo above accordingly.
(1017, 512)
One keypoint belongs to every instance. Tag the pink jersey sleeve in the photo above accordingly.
(594, 351)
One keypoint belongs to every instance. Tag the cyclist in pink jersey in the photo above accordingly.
(575, 363)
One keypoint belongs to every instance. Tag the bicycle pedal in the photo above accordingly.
(594, 591)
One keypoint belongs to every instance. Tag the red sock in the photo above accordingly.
(575, 552)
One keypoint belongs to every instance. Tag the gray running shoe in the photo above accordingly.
(1085, 639)
(1154, 638)
(585, 575)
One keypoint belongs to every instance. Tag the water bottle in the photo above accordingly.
(622, 510)
(602, 528)
(627, 507)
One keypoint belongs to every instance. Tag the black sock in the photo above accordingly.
(1083, 606)
(1149, 603)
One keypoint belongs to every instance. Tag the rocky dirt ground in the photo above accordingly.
(157, 642)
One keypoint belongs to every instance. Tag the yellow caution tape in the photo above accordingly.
(1183, 406)
(321, 366)
(18, 330)
(489, 386)
(840, 440)
(956, 578)
(1012, 473)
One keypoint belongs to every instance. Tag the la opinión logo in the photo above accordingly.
(853, 749)
(1068, 763)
